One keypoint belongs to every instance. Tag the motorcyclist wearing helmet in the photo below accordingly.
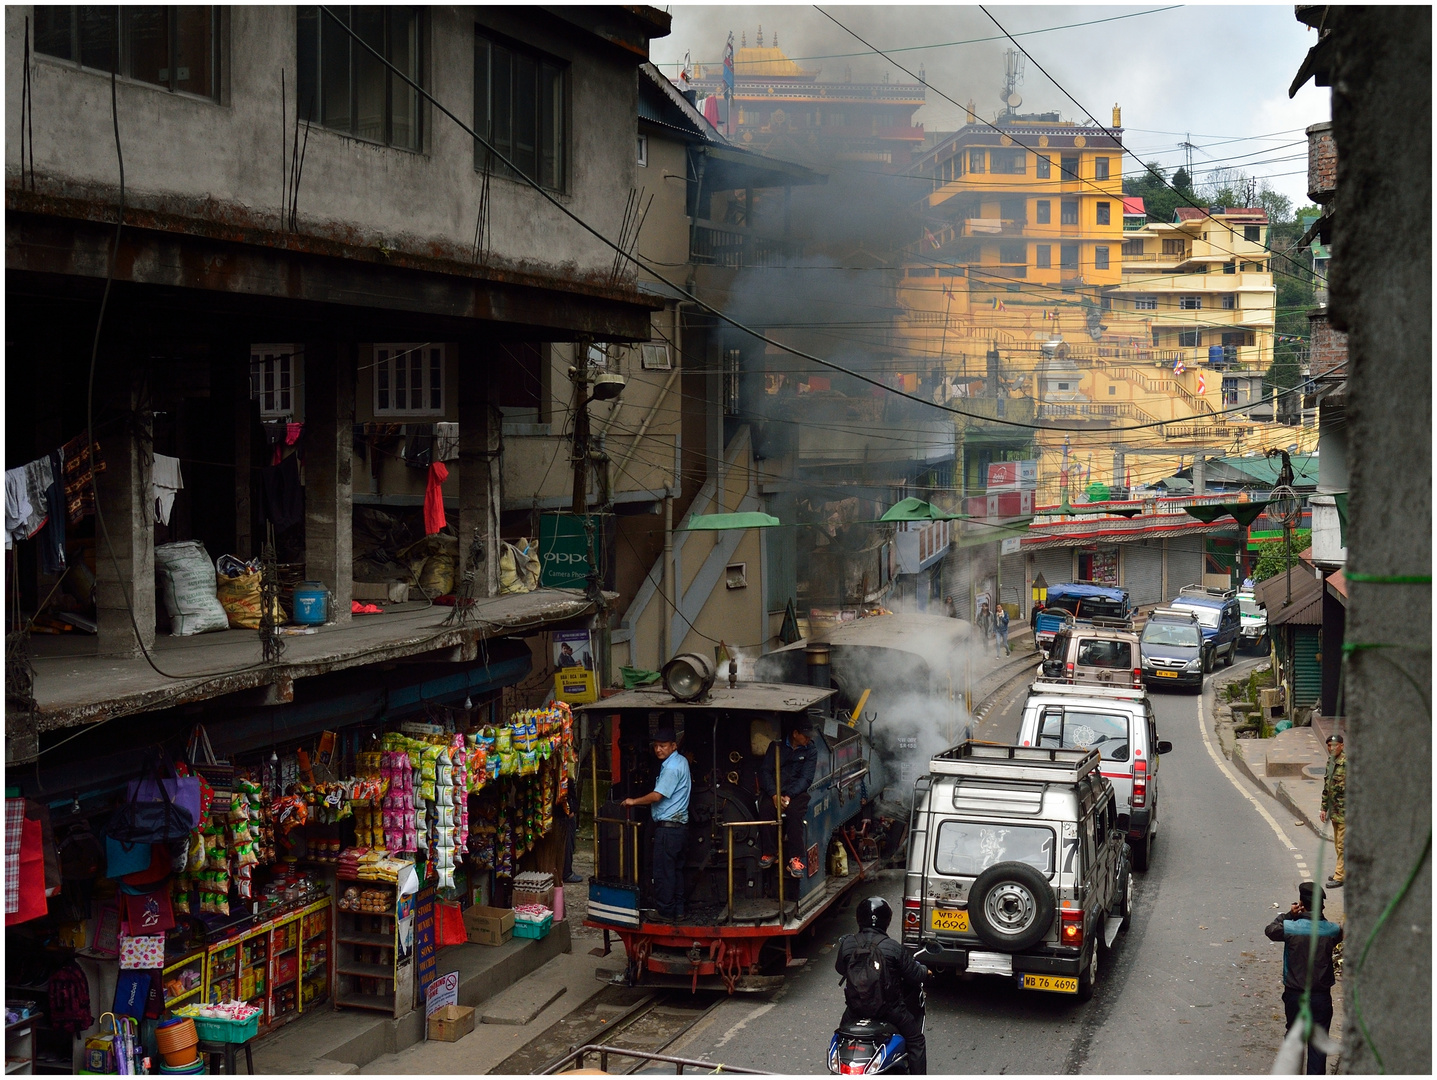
(903, 979)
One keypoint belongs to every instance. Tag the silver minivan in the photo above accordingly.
(1120, 725)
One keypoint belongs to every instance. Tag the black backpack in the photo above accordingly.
(864, 977)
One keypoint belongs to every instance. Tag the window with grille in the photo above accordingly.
(273, 379)
(520, 107)
(1229, 301)
(731, 372)
(1069, 165)
(1045, 167)
(1100, 257)
(409, 379)
(1070, 211)
(1132, 247)
(1069, 255)
(1252, 233)
(1175, 247)
(1105, 213)
(1009, 161)
(1145, 303)
(1190, 303)
(173, 47)
(345, 87)
(1045, 212)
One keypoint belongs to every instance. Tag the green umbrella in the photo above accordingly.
(716, 522)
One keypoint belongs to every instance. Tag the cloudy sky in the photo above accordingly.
(1215, 76)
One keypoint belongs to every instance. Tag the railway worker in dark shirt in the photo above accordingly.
(797, 761)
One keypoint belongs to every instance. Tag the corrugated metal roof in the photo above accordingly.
(1306, 606)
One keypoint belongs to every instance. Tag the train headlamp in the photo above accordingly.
(689, 676)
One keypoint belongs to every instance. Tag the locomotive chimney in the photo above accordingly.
(819, 673)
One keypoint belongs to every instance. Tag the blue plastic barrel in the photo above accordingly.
(1214, 355)
(310, 602)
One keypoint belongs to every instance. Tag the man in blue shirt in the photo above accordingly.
(670, 800)
(1294, 930)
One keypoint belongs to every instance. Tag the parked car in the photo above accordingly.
(1253, 633)
(1120, 724)
(1173, 650)
(1082, 600)
(1220, 617)
(1084, 653)
(1016, 867)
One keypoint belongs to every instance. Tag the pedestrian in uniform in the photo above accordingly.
(797, 762)
(670, 800)
(1000, 624)
(1294, 930)
(1334, 804)
(902, 980)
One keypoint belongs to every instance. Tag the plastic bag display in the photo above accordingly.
(186, 580)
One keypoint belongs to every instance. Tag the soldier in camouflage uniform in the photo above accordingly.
(1334, 803)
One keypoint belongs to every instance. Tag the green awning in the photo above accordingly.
(1120, 511)
(1245, 513)
(1341, 501)
(716, 522)
(917, 510)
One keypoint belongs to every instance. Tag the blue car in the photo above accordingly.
(1219, 616)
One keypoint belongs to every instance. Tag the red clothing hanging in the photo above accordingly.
(434, 498)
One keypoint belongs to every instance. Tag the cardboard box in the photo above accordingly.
(396, 592)
(544, 897)
(489, 926)
(450, 1023)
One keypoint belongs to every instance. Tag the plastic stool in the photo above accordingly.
(230, 1052)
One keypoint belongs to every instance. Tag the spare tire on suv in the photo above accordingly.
(1011, 906)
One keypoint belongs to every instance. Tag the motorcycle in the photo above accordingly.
(867, 1047)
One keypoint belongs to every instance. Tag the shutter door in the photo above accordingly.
(1185, 562)
(956, 577)
(1306, 667)
(1055, 564)
(1013, 590)
(1143, 572)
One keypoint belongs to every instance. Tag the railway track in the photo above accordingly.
(616, 1019)
(995, 685)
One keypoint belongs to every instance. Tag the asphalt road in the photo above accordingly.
(1193, 987)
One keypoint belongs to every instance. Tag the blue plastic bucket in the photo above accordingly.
(310, 602)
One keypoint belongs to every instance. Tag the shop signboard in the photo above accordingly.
(426, 954)
(564, 550)
(1012, 476)
(572, 649)
(576, 686)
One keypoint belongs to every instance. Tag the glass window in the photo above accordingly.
(1171, 634)
(1190, 303)
(1013, 254)
(1104, 653)
(1189, 339)
(1073, 729)
(1044, 212)
(1044, 256)
(967, 848)
(1251, 608)
(1100, 168)
(1070, 256)
(1069, 166)
(1105, 213)
(171, 47)
(1229, 301)
(344, 86)
(409, 379)
(1252, 233)
(1207, 616)
(1100, 257)
(273, 374)
(1045, 167)
(520, 107)
(1009, 161)
(975, 161)
(1145, 303)
(1070, 211)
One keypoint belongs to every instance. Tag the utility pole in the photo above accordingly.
(579, 375)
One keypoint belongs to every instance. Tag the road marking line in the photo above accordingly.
(754, 1015)
(1223, 768)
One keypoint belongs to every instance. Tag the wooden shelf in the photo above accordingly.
(383, 941)
(367, 971)
(171, 1002)
(379, 1002)
(283, 952)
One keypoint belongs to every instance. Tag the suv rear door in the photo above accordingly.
(1107, 727)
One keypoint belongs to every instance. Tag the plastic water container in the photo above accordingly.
(310, 602)
(1214, 355)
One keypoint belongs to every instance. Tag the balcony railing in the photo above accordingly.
(718, 245)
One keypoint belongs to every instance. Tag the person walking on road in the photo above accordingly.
(670, 800)
(899, 984)
(797, 763)
(1294, 929)
(1000, 626)
(1334, 804)
(985, 621)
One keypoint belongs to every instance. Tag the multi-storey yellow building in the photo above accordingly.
(1023, 284)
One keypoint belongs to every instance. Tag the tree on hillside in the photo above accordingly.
(1273, 559)
(1160, 199)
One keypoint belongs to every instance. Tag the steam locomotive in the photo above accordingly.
(735, 909)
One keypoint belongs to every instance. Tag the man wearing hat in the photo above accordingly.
(797, 760)
(670, 800)
(1294, 929)
(1334, 804)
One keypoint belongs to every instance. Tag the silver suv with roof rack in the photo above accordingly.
(1016, 866)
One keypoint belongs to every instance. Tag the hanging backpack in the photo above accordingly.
(70, 1000)
(863, 978)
